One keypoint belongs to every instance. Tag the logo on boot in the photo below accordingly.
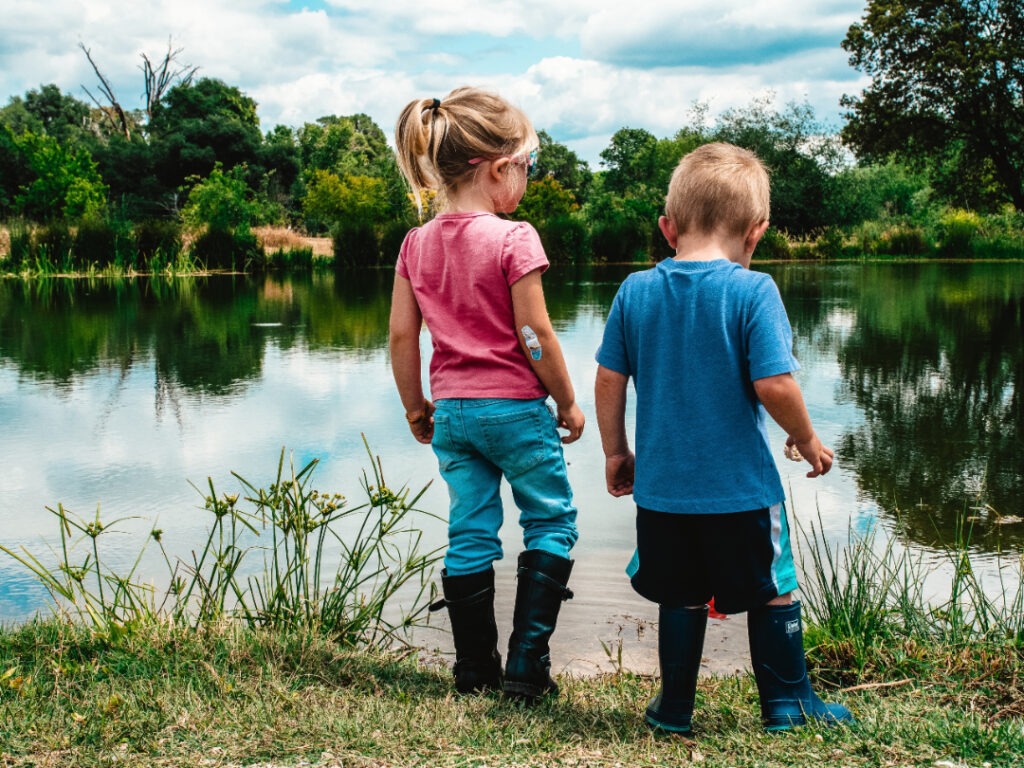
(792, 627)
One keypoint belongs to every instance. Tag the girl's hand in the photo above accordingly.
(421, 423)
(572, 419)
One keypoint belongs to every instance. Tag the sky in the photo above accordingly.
(580, 69)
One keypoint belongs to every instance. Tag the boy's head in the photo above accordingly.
(718, 187)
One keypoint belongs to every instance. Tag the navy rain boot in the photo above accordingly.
(539, 594)
(470, 603)
(780, 669)
(680, 644)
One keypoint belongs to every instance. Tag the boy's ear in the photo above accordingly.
(754, 234)
(669, 230)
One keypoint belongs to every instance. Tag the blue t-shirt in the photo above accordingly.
(694, 336)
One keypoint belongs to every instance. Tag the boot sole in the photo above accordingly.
(657, 725)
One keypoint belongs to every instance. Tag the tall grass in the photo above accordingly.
(322, 564)
(868, 598)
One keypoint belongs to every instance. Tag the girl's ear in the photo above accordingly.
(500, 167)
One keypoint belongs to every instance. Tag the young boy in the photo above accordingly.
(709, 347)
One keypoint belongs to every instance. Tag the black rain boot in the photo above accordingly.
(680, 644)
(780, 669)
(470, 603)
(539, 595)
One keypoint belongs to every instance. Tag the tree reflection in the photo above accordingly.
(935, 362)
(207, 336)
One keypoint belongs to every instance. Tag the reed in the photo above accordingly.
(322, 564)
(867, 600)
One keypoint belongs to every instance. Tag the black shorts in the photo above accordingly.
(741, 559)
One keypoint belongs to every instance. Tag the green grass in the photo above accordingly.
(277, 669)
(232, 696)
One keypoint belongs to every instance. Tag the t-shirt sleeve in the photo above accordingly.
(401, 267)
(613, 352)
(523, 253)
(769, 335)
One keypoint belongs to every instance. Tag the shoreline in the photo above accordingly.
(595, 635)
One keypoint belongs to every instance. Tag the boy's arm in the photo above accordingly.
(530, 310)
(784, 402)
(404, 343)
(610, 399)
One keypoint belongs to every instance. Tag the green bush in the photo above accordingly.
(903, 240)
(958, 230)
(21, 244)
(223, 249)
(565, 239)
(355, 244)
(619, 240)
(95, 244)
(829, 244)
(54, 244)
(391, 238)
(284, 258)
(774, 245)
(158, 242)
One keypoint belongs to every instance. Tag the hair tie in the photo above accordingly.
(436, 105)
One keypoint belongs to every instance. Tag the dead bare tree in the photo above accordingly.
(157, 80)
(113, 109)
(160, 78)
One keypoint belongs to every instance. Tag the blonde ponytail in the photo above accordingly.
(436, 138)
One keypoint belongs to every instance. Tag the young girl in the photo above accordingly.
(475, 279)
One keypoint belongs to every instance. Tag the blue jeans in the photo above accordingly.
(477, 441)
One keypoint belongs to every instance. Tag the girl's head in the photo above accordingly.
(443, 144)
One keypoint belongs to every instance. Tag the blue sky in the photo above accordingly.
(581, 70)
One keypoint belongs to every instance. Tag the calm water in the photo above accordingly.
(119, 396)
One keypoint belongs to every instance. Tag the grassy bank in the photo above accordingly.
(295, 665)
(223, 696)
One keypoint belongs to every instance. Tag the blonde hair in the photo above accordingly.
(436, 138)
(718, 186)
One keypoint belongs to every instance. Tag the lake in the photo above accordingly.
(123, 395)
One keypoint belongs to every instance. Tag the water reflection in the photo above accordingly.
(935, 362)
(913, 372)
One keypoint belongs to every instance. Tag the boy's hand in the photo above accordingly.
(421, 423)
(619, 471)
(572, 419)
(816, 454)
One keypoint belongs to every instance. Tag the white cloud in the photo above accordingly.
(580, 69)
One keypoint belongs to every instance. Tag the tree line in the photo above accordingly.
(927, 162)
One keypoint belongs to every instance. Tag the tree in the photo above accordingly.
(200, 124)
(222, 201)
(47, 111)
(544, 199)
(798, 153)
(943, 73)
(630, 159)
(64, 180)
(330, 199)
(560, 163)
(157, 80)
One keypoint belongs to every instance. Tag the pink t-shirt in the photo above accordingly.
(462, 266)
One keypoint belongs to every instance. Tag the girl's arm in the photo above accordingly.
(530, 311)
(404, 342)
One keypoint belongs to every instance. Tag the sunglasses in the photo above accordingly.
(528, 159)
